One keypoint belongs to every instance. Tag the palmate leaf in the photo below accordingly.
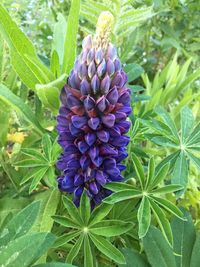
(91, 230)
(54, 264)
(133, 256)
(37, 179)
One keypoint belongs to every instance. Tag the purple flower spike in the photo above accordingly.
(92, 122)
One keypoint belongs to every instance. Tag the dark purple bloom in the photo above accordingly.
(92, 123)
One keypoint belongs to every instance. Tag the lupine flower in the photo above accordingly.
(92, 120)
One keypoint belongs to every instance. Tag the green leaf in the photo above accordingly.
(167, 189)
(110, 228)
(123, 195)
(194, 159)
(20, 224)
(116, 187)
(162, 221)
(65, 221)
(184, 238)
(25, 250)
(75, 249)
(30, 73)
(151, 170)
(167, 119)
(72, 210)
(187, 121)
(55, 64)
(88, 257)
(18, 104)
(107, 249)
(144, 217)
(158, 251)
(160, 175)
(54, 264)
(32, 173)
(195, 259)
(193, 138)
(180, 172)
(47, 210)
(47, 146)
(59, 34)
(133, 71)
(70, 39)
(62, 240)
(37, 179)
(85, 208)
(139, 169)
(49, 93)
(32, 152)
(31, 163)
(133, 256)
(99, 213)
(169, 206)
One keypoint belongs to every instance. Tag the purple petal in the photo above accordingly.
(90, 138)
(124, 98)
(108, 150)
(120, 116)
(91, 69)
(83, 146)
(120, 141)
(85, 87)
(87, 42)
(110, 67)
(82, 71)
(117, 80)
(117, 64)
(93, 123)
(84, 162)
(93, 188)
(105, 84)
(78, 179)
(90, 56)
(101, 70)
(79, 121)
(100, 177)
(103, 136)
(78, 191)
(113, 95)
(95, 83)
(111, 52)
(108, 120)
(102, 103)
(89, 103)
(94, 152)
(98, 55)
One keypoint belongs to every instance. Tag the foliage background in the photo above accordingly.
(159, 45)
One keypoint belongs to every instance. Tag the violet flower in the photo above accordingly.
(92, 120)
